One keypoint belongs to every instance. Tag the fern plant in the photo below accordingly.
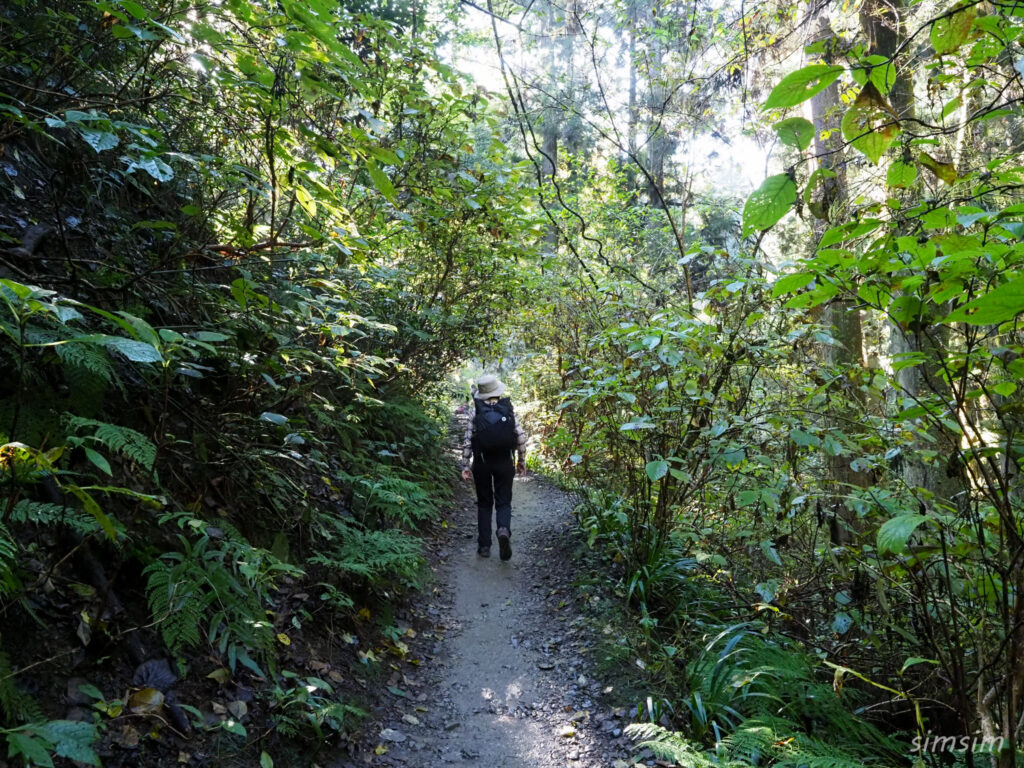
(383, 497)
(46, 514)
(124, 441)
(17, 706)
(378, 558)
(760, 700)
(222, 585)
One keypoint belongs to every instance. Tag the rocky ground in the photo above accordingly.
(501, 663)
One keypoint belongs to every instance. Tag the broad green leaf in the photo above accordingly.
(306, 201)
(901, 175)
(804, 439)
(911, 661)
(768, 548)
(868, 127)
(140, 329)
(1005, 388)
(99, 140)
(136, 351)
(380, 179)
(629, 426)
(154, 166)
(266, 761)
(997, 306)
(878, 70)
(795, 132)
(28, 746)
(953, 29)
(656, 469)
(767, 590)
(72, 740)
(791, 283)
(769, 202)
(894, 533)
(746, 498)
(98, 460)
(797, 87)
(273, 418)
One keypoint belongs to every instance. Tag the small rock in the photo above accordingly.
(390, 734)
(411, 719)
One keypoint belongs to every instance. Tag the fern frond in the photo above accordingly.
(90, 358)
(17, 706)
(123, 440)
(44, 513)
(177, 601)
(669, 745)
(377, 556)
(9, 582)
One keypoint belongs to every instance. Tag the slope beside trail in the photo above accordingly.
(505, 677)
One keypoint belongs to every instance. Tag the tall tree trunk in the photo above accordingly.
(845, 355)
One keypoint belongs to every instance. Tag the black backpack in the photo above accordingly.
(494, 427)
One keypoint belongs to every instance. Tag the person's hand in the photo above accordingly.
(467, 475)
(521, 469)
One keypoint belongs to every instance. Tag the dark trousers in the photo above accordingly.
(493, 477)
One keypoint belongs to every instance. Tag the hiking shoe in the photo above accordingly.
(504, 546)
(483, 551)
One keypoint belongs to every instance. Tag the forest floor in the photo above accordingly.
(502, 669)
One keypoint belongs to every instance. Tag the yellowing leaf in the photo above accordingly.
(870, 124)
(945, 171)
(145, 701)
(283, 639)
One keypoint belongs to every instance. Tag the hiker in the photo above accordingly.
(491, 437)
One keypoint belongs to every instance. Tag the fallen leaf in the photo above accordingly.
(84, 631)
(238, 709)
(127, 737)
(567, 732)
(221, 675)
(145, 701)
(411, 719)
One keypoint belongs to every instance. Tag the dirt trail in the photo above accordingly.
(506, 679)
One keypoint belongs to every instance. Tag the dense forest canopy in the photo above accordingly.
(757, 268)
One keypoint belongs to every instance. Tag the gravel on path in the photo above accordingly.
(504, 678)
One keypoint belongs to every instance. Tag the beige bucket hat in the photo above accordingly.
(488, 386)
